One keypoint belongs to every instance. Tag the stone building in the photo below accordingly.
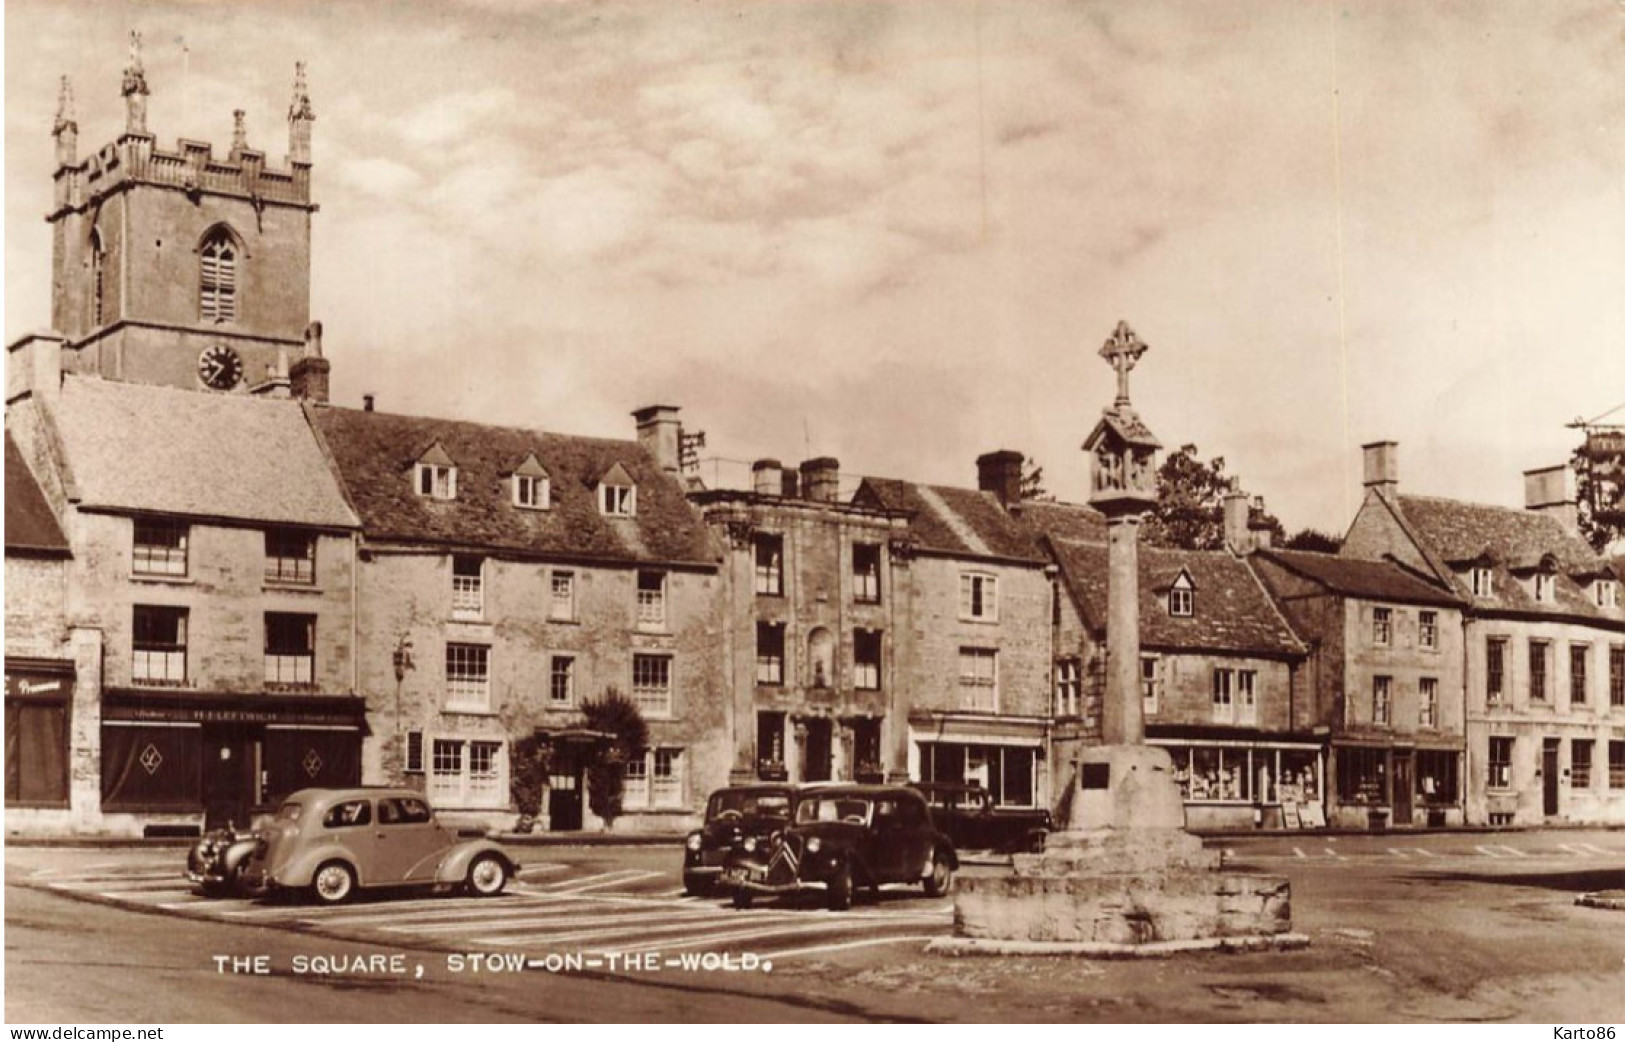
(1384, 683)
(816, 645)
(974, 683)
(1544, 641)
(508, 575)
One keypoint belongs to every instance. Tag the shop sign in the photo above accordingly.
(37, 685)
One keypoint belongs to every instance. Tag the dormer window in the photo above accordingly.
(1182, 597)
(1483, 581)
(1607, 593)
(617, 495)
(1543, 586)
(435, 475)
(532, 489)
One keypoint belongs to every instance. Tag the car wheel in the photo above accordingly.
(334, 883)
(487, 876)
(941, 879)
(742, 898)
(840, 890)
(228, 885)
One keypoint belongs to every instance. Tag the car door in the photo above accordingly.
(349, 825)
(915, 839)
(409, 843)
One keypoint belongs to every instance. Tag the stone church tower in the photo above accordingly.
(182, 268)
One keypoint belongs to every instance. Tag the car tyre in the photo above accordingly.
(334, 883)
(840, 889)
(941, 879)
(742, 898)
(228, 885)
(487, 875)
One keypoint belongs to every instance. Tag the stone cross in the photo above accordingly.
(1121, 351)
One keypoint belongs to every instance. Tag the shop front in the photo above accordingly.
(1247, 783)
(176, 762)
(39, 698)
(1003, 755)
(1380, 785)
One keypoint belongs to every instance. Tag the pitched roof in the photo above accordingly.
(30, 523)
(1231, 613)
(375, 451)
(1373, 580)
(1064, 520)
(953, 521)
(1508, 540)
(133, 447)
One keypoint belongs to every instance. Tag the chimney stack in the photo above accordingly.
(1000, 473)
(658, 431)
(366, 403)
(821, 479)
(1237, 512)
(1258, 530)
(1382, 466)
(310, 376)
(34, 367)
(1550, 490)
(767, 477)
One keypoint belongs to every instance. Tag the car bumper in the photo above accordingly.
(757, 880)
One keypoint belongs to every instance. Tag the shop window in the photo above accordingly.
(561, 681)
(158, 643)
(1382, 627)
(1427, 630)
(1362, 775)
(651, 600)
(160, 547)
(1382, 700)
(1006, 772)
(1539, 670)
(1580, 763)
(468, 677)
(979, 679)
(37, 746)
(866, 660)
(1495, 673)
(1299, 776)
(770, 653)
(562, 596)
(467, 587)
(978, 597)
(1436, 776)
(1427, 713)
(866, 573)
(151, 768)
(651, 684)
(770, 764)
(1069, 687)
(290, 650)
(1578, 655)
(290, 556)
(1218, 774)
(1500, 763)
(769, 552)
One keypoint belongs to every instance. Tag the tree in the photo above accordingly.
(619, 717)
(1032, 481)
(1190, 504)
(1314, 541)
(532, 765)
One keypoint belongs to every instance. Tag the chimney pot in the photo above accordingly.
(821, 479)
(767, 477)
(1000, 473)
(366, 403)
(1237, 513)
(1382, 465)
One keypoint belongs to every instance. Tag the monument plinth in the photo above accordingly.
(1121, 876)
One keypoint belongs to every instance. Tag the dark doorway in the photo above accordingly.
(564, 802)
(1404, 788)
(815, 764)
(231, 772)
(1548, 775)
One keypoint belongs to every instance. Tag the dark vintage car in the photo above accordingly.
(974, 822)
(216, 860)
(737, 820)
(842, 837)
(332, 842)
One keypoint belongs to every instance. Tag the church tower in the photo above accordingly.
(182, 268)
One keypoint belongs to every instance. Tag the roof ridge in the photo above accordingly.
(481, 425)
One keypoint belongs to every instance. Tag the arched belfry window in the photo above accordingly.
(98, 278)
(217, 277)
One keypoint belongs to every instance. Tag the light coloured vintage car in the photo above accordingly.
(333, 842)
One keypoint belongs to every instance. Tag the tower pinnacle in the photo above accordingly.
(300, 117)
(135, 89)
(66, 127)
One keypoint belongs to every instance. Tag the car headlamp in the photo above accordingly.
(813, 845)
(750, 844)
(693, 841)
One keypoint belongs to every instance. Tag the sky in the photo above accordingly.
(898, 233)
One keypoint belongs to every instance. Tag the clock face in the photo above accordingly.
(219, 367)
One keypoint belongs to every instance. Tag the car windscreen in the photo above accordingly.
(748, 805)
(851, 809)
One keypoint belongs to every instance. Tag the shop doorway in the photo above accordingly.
(1548, 776)
(1404, 788)
(231, 774)
(815, 764)
(564, 802)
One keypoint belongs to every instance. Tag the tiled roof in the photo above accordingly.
(957, 521)
(1064, 520)
(1373, 580)
(1508, 539)
(375, 453)
(133, 447)
(1231, 612)
(30, 523)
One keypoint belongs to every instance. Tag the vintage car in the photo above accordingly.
(737, 820)
(216, 860)
(843, 837)
(332, 842)
(974, 822)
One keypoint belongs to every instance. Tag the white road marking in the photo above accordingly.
(1299, 851)
(589, 879)
(540, 869)
(1334, 855)
(623, 881)
(1583, 850)
(869, 943)
(1401, 852)
(132, 895)
(1499, 850)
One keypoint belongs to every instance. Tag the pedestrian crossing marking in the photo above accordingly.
(610, 882)
(1500, 850)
